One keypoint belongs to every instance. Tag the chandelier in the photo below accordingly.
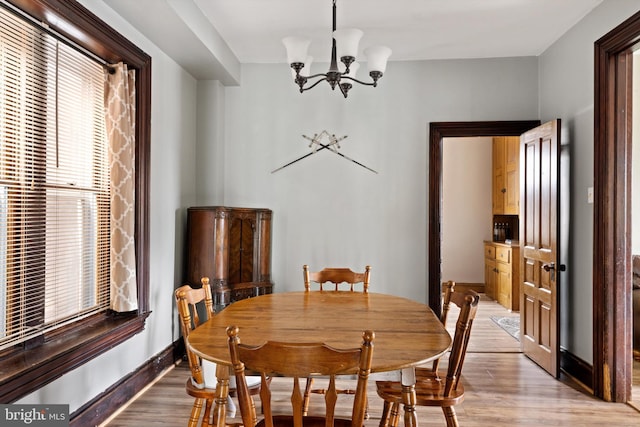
(345, 47)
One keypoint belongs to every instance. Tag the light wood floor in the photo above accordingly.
(503, 388)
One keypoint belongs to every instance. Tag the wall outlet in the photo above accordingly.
(590, 195)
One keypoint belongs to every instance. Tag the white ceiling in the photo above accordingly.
(212, 37)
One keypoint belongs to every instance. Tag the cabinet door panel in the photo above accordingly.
(499, 171)
(504, 285)
(512, 176)
(241, 237)
(490, 277)
(506, 179)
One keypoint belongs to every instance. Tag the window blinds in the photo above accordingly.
(54, 184)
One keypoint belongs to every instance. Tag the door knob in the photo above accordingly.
(552, 266)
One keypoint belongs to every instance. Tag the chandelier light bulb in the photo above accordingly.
(377, 57)
(297, 48)
(347, 40)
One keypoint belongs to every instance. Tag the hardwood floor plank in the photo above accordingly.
(503, 388)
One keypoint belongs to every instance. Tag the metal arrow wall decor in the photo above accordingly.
(317, 145)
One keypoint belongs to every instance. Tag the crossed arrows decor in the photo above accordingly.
(317, 145)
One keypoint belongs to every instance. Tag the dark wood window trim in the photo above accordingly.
(438, 131)
(612, 326)
(24, 370)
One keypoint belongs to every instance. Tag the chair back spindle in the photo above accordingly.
(447, 290)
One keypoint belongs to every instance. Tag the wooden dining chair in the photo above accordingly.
(336, 276)
(300, 360)
(426, 373)
(447, 290)
(195, 306)
(431, 390)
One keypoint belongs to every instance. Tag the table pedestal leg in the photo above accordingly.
(222, 393)
(409, 397)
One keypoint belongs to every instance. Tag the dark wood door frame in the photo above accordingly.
(612, 311)
(438, 131)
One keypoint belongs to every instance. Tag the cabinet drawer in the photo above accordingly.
(503, 254)
(489, 251)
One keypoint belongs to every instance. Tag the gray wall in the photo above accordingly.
(328, 211)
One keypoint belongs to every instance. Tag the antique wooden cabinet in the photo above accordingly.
(231, 246)
(502, 273)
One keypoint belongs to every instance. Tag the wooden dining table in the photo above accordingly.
(407, 333)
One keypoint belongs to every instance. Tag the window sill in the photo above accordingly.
(24, 371)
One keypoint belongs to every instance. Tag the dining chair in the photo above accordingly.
(195, 306)
(431, 390)
(300, 360)
(337, 276)
(426, 373)
(447, 289)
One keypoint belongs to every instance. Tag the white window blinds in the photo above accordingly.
(54, 184)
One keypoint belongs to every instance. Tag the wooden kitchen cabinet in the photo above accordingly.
(231, 246)
(506, 178)
(502, 278)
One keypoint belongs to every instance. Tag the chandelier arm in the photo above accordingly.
(358, 81)
(303, 89)
(324, 75)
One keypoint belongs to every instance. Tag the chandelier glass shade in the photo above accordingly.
(345, 47)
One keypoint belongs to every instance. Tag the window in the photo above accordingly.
(54, 183)
(62, 186)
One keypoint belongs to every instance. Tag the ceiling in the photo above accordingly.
(211, 38)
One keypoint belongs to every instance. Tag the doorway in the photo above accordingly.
(535, 268)
(437, 132)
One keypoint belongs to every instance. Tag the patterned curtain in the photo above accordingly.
(119, 101)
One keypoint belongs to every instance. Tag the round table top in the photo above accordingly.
(407, 333)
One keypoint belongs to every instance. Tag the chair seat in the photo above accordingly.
(428, 393)
(199, 392)
(425, 373)
(309, 421)
(253, 382)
